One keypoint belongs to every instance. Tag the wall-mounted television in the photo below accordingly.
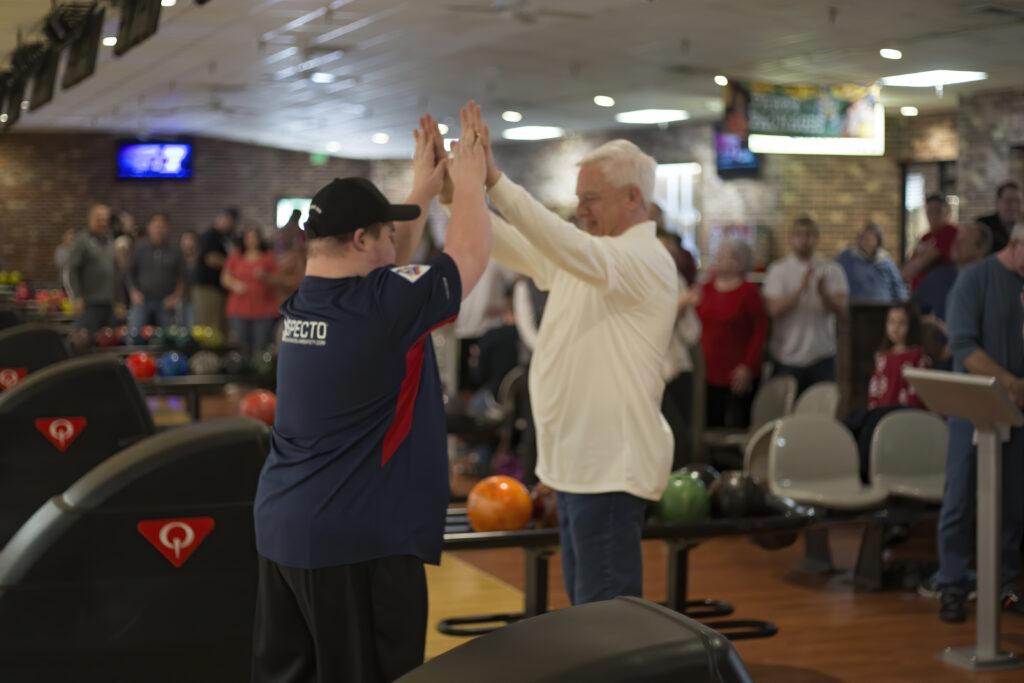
(136, 160)
(733, 158)
(139, 20)
(44, 79)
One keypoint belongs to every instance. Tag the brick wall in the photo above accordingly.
(991, 130)
(48, 182)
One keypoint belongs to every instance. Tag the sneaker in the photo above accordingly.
(1013, 601)
(929, 588)
(953, 609)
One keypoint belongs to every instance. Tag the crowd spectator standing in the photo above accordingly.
(1006, 215)
(870, 270)
(252, 304)
(208, 296)
(93, 279)
(935, 248)
(156, 276)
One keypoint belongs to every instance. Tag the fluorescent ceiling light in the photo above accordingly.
(512, 116)
(933, 79)
(3, 118)
(110, 41)
(333, 146)
(890, 53)
(604, 101)
(283, 54)
(784, 144)
(442, 128)
(652, 116)
(322, 77)
(25, 105)
(532, 133)
(721, 80)
(908, 111)
(380, 138)
(168, 3)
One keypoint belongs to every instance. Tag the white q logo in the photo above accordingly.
(176, 544)
(62, 430)
(8, 378)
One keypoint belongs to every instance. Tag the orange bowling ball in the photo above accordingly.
(259, 404)
(499, 503)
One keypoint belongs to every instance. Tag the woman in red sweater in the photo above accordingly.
(248, 275)
(735, 328)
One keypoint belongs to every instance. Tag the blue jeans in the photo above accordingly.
(957, 519)
(252, 336)
(600, 538)
(186, 314)
(149, 313)
(823, 370)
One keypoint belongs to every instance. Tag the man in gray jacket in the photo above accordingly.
(156, 276)
(92, 277)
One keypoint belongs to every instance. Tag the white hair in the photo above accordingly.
(1018, 232)
(740, 252)
(622, 163)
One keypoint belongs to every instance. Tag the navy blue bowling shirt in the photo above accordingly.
(358, 464)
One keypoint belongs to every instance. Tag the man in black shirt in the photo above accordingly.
(208, 296)
(156, 276)
(1006, 216)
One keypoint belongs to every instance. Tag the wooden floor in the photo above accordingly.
(828, 632)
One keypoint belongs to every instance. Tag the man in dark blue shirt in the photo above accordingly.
(352, 498)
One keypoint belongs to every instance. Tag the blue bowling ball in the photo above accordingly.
(134, 337)
(172, 364)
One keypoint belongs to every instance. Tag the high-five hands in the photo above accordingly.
(428, 165)
(468, 165)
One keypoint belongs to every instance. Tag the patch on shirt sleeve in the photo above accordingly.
(412, 273)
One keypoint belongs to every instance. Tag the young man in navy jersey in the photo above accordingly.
(352, 498)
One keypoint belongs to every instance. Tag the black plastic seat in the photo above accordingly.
(144, 569)
(28, 348)
(59, 423)
(626, 640)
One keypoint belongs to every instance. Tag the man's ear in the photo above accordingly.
(636, 197)
(359, 239)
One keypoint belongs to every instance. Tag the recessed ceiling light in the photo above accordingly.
(932, 79)
(512, 116)
(532, 133)
(168, 3)
(25, 105)
(322, 77)
(448, 143)
(604, 101)
(333, 146)
(908, 111)
(110, 41)
(890, 53)
(442, 128)
(3, 118)
(721, 80)
(380, 138)
(652, 116)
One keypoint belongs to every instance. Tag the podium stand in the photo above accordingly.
(988, 407)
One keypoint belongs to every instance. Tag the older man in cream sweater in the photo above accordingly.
(595, 378)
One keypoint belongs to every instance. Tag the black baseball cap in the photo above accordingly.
(347, 204)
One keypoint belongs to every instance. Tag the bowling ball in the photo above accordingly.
(23, 292)
(685, 500)
(67, 307)
(158, 338)
(142, 365)
(80, 339)
(5, 277)
(734, 494)
(265, 364)
(134, 337)
(146, 331)
(775, 541)
(122, 333)
(204, 363)
(706, 473)
(107, 337)
(211, 338)
(172, 364)
(259, 404)
(14, 277)
(499, 503)
(545, 508)
(180, 338)
(233, 363)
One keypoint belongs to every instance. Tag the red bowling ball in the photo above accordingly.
(259, 404)
(142, 365)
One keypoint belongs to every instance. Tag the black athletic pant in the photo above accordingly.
(363, 623)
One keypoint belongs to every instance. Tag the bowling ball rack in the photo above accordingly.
(540, 544)
(194, 386)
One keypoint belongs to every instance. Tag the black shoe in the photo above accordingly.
(953, 609)
(1013, 601)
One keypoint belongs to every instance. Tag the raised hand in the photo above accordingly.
(428, 165)
(468, 165)
(493, 174)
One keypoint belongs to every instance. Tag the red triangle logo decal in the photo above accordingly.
(9, 377)
(176, 539)
(61, 431)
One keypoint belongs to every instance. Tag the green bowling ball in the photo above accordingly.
(158, 338)
(685, 500)
(265, 365)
